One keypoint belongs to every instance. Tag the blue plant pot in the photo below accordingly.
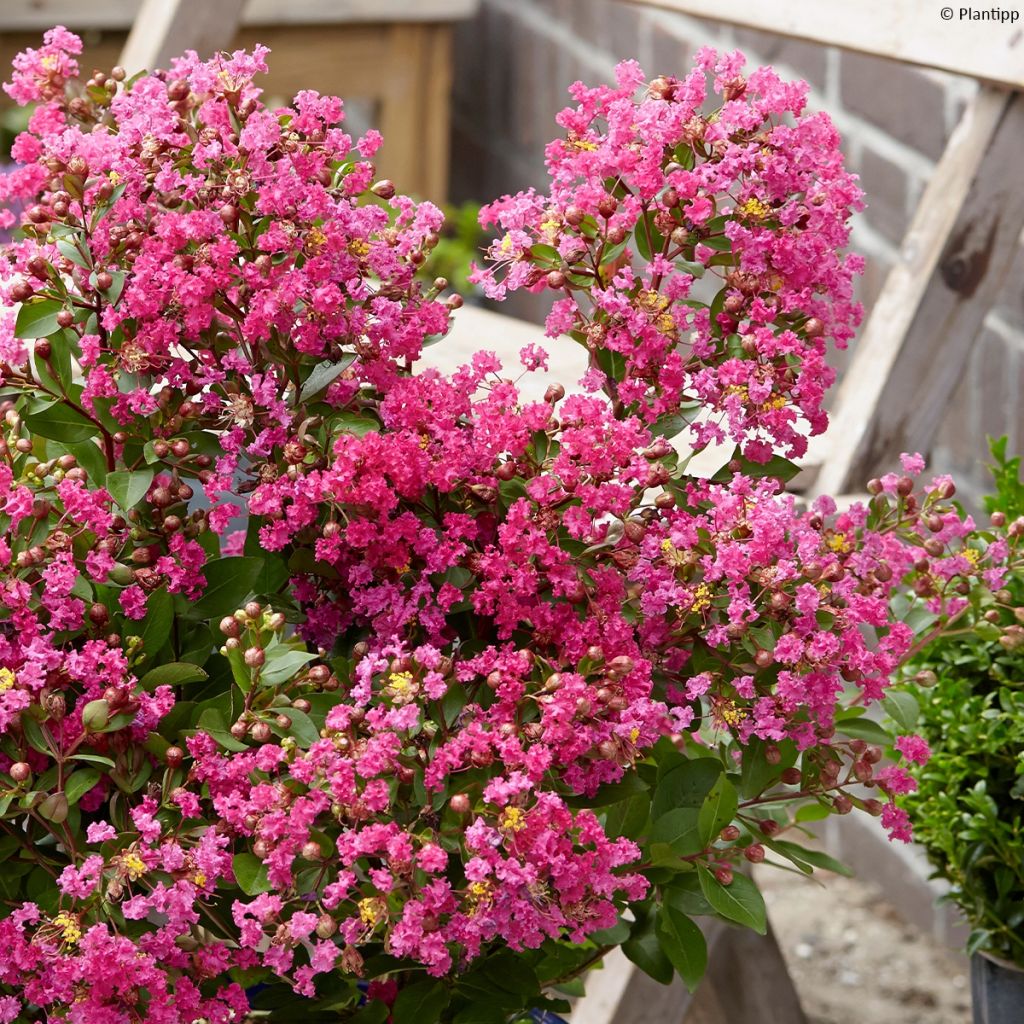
(997, 991)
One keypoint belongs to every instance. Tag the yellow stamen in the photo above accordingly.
(755, 208)
(512, 819)
(7, 679)
(70, 930)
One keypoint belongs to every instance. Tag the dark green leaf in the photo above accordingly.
(808, 859)
(59, 422)
(740, 901)
(229, 581)
(644, 949)
(156, 626)
(863, 729)
(776, 466)
(679, 829)
(423, 1002)
(718, 809)
(683, 943)
(79, 783)
(128, 486)
(174, 673)
(283, 663)
(686, 783)
(37, 318)
(903, 709)
(250, 873)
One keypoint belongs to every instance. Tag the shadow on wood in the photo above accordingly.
(747, 980)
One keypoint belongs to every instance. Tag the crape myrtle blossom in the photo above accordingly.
(472, 659)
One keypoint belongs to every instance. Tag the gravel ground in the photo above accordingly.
(853, 959)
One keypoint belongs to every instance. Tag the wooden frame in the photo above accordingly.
(903, 30)
(395, 54)
(36, 15)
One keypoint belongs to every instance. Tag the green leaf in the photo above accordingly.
(350, 423)
(59, 422)
(903, 709)
(775, 466)
(683, 943)
(302, 727)
(644, 949)
(807, 859)
(740, 901)
(37, 318)
(863, 729)
(72, 252)
(128, 486)
(374, 1012)
(79, 783)
(718, 809)
(90, 457)
(229, 581)
(686, 783)
(174, 673)
(679, 829)
(94, 759)
(323, 374)
(423, 1002)
(34, 734)
(156, 626)
(282, 663)
(250, 873)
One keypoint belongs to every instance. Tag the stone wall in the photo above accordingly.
(516, 59)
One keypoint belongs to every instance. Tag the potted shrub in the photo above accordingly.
(965, 698)
(330, 685)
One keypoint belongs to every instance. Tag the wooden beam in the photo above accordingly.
(163, 29)
(37, 15)
(905, 30)
(746, 980)
(953, 263)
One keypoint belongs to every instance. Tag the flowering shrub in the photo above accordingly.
(962, 693)
(323, 675)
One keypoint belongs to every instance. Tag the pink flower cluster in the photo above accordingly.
(739, 216)
(310, 664)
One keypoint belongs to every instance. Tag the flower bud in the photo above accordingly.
(54, 808)
(20, 771)
(95, 715)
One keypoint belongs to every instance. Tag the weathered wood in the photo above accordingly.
(36, 15)
(952, 265)
(903, 30)
(746, 980)
(163, 29)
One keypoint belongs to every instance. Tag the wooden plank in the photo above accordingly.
(905, 30)
(37, 15)
(953, 262)
(164, 29)
(746, 980)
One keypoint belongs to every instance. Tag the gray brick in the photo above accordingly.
(672, 55)
(905, 103)
(808, 59)
(589, 19)
(885, 188)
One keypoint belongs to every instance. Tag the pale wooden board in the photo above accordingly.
(163, 29)
(953, 261)
(21, 15)
(904, 30)
(475, 329)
